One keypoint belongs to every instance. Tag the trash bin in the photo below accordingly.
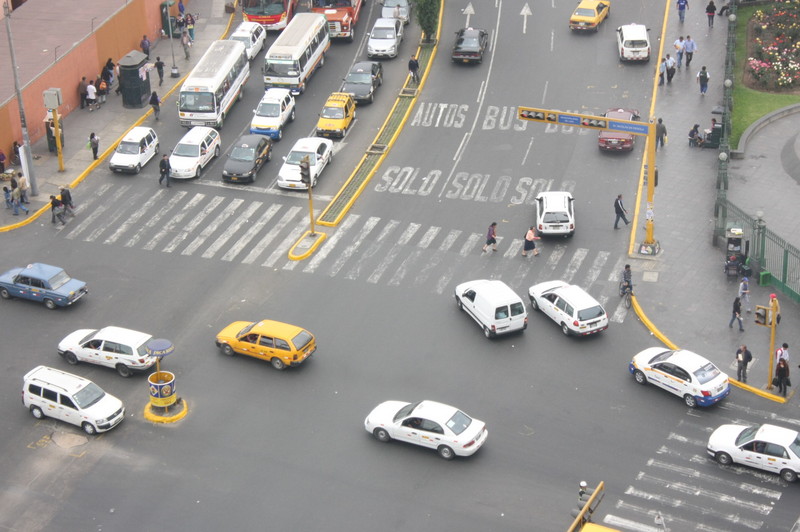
(167, 20)
(134, 80)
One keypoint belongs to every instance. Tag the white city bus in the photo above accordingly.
(214, 85)
(297, 53)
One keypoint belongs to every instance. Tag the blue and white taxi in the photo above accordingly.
(683, 373)
(43, 283)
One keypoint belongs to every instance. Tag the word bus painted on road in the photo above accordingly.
(503, 118)
(214, 85)
(341, 15)
(297, 53)
(272, 14)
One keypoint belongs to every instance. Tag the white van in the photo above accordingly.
(252, 35)
(134, 150)
(633, 42)
(54, 393)
(491, 303)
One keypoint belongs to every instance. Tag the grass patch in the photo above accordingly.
(748, 104)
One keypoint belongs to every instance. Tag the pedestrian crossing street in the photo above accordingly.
(361, 248)
(683, 487)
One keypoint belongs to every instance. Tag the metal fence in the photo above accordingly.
(768, 252)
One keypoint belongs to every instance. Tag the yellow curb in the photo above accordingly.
(758, 391)
(312, 249)
(155, 418)
(649, 324)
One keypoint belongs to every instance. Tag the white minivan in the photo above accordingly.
(252, 35)
(54, 393)
(194, 151)
(135, 149)
(633, 42)
(493, 305)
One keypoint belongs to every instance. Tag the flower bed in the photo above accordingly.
(774, 60)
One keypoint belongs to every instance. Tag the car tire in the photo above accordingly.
(158, 149)
(71, 359)
(49, 303)
(788, 475)
(534, 304)
(279, 136)
(565, 329)
(198, 171)
(723, 458)
(216, 151)
(446, 452)
(690, 401)
(381, 434)
(640, 377)
(88, 428)
(277, 363)
(268, 158)
(37, 412)
(291, 116)
(123, 370)
(459, 304)
(487, 332)
(227, 350)
(371, 97)
(221, 122)
(137, 169)
(4, 293)
(321, 61)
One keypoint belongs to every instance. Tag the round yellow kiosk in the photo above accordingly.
(165, 406)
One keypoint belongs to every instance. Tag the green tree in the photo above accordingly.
(428, 17)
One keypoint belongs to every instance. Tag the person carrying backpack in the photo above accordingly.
(702, 78)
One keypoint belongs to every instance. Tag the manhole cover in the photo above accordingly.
(67, 440)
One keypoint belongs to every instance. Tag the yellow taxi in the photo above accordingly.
(278, 343)
(589, 14)
(337, 115)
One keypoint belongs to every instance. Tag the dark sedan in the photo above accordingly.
(470, 45)
(618, 140)
(363, 80)
(248, 155)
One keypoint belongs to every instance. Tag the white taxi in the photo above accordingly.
(319, 152)
(194, 151)
(570, 306)
(766, 447)
(428, 424)
(114, 347)
(138, 146)
(274, 111)
(555, 213)
(683, 373)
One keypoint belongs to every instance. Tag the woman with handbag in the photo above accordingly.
(782, 374)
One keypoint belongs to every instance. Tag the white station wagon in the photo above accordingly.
(194, 151)
(134, 150)
(114, 347)
(570, 306)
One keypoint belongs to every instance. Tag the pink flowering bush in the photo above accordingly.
(775, 62)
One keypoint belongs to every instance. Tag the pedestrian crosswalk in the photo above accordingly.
(369, 249)
(685, 489)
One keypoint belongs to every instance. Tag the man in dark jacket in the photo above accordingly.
(620, 211)
(743, 358)
(164, 168)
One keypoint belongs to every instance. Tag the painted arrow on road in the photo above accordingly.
(468, 11)
(526, 12)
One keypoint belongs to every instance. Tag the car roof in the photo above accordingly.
(688, 360)
(244, 28)
(776, 434)
(576, 296)
(270, 327)
(633, 31)
(121, 334)
(138, 133)
(554, 198)
(67, 382)
(364, 66)
(591, 3)
(40, 271)
(196, 135)
(249, 140)
(309, 143)
(385, 23)
(434, 411)
(493, 290)
(618, 112)
(471, 32)
(274, 94)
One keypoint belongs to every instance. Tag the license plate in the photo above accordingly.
(197, 123)
(292, 185)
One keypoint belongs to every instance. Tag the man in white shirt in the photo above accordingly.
(91, 95)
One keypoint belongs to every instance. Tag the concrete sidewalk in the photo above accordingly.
(111, 121)
(684, 292)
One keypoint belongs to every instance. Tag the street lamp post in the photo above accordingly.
(174, 71)
(25, 149)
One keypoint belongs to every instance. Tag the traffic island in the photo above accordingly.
(165, 405)
(306, 245)
(166, 414)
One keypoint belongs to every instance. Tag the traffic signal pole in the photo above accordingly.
(650, 245)
(768, 317)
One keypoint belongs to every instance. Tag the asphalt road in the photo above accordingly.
(262, 449)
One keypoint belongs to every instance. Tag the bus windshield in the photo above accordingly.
(283, 68)
(264, 7)
(197, 102)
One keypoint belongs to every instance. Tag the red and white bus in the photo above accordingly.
(341, 15)
(272, 14)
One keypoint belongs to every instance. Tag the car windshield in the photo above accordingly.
(243, 153)
(662, 356)
(591, 313)
(128, 148)
(302, 339)
(746, 435)
(196, 102)
(269, 109)
(296, 157)
(332, 112)
(459, 422)
(392, 3)
(245, 330)
(58, 280)
(89, 395)
(382, 33)
(187, 150)
(706, 373)
(584, 12)
(87, 337)
(406, 411)
(359, 77)
(555, 218)
(795, 446)
(282, 68)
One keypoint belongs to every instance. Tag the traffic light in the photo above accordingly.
(538, 115)
(588, 501)
(593, 122)
(762, 316)
(305, 171)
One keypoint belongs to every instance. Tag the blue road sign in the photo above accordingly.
(569, 119)
(636, 129)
